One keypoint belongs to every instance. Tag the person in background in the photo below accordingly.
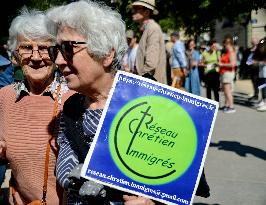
(168, 47)
(201, 67)
(6, 72)
(151, 56)
(129, 60)
(6, 78)
(210, 61)
(240, 52)
(88, 59)
(179, 62)
(259, 58)
(249, 67)
(192, 81)
(17, 71)
(227, 66)
(26, 112)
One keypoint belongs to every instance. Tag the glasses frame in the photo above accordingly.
(32, 50)
(66, 48)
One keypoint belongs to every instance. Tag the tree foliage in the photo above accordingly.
(44, 4)
(193, 16)
(196, 16)
(12, 8)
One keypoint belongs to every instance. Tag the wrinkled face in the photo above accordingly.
(81, 71)
(32, 56)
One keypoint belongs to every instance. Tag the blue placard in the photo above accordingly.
(152, 140)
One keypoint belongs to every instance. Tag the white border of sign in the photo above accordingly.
(89, 155)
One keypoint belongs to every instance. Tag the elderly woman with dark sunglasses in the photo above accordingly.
(26, 111)
(90, 46)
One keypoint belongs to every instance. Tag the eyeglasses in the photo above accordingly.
(26, 51)
(66, 48)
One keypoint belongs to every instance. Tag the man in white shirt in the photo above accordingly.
(129, 61)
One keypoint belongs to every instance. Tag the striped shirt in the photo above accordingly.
(24, 124)
(67, 158)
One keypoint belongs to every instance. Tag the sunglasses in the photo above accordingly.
(66, 48)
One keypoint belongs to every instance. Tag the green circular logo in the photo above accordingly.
(153, 140)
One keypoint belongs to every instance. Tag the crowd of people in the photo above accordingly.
(211, 66)
(55, 78)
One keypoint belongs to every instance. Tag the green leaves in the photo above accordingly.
(45, 4)
(195, 16)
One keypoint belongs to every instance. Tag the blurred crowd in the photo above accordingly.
(191, 65)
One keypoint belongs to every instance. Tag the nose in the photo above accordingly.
(60, 60)
(36, 55)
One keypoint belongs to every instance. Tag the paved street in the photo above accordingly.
(236, 161)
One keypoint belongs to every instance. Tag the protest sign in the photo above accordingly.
(152, 140)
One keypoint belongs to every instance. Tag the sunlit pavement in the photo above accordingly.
(235, 165)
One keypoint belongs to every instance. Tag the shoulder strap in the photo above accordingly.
(48, 147)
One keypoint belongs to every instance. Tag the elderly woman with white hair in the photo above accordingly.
(29, 113)
(90, 46)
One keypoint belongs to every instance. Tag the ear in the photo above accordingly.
(109, 58)
(147, 13)
(15, 58)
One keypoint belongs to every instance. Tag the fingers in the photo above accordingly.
(128, 198)
(137, 200)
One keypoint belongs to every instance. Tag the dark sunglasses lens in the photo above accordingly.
(67, 50)
(53, 52)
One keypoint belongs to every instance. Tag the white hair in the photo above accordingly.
(103, 27)
(30, 25)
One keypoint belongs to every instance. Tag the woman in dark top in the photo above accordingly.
(91, 43)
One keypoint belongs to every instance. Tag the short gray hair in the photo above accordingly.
(31, 25)
(103, 27)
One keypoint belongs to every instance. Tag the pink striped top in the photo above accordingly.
(24, 128)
